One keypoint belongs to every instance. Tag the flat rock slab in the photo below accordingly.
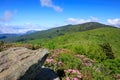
(15, 62)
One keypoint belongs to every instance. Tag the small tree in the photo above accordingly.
(107, 49)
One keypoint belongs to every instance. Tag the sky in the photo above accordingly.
(19, 16)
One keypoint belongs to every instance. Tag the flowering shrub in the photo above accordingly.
(49, 60)
(74, 74)
(66, 62)
(75, 79)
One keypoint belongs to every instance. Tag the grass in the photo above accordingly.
(101, 44)
(87, 42)
(98, 44)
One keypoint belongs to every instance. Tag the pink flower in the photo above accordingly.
(67, 78)
(79, 76)
(49, 60)
(74, 71)
(59, 63)
(70, 70)
(75, 79)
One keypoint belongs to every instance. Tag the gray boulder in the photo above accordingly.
(20, 63)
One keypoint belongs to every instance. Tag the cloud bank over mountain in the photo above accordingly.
(114, 22)
(79, 21)
(5, 28)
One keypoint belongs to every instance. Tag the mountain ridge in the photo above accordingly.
(58, 31)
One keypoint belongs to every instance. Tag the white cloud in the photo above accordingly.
(7, 28)
(114, 22)
(79, 21)
(49, 3)
(7, 16)
(76, 21)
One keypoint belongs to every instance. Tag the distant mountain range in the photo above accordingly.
(31, 31)
(54, 32)
(4, 36)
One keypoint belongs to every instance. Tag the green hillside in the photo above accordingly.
(91, 48)
(58, 31)
(101, 44)
(87, 40)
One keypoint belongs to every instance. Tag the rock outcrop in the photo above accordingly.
(20, 63)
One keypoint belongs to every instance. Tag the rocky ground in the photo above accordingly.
(20, 63)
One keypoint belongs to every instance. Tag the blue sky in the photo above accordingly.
(18, 16)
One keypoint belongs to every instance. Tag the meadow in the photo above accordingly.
(101, 45)
(90, 54)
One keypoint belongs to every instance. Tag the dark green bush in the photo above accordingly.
(107, 49)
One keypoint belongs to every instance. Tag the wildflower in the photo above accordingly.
(67, 78)
(70, 70)
(49, 60)
(75, 79)
(59, 63)
(79, 76)
(74, 71)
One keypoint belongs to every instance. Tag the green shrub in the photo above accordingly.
(107, 49)
(113, 65)
(99, 72)
(79, 49)
(51, 45)
(70, 61)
